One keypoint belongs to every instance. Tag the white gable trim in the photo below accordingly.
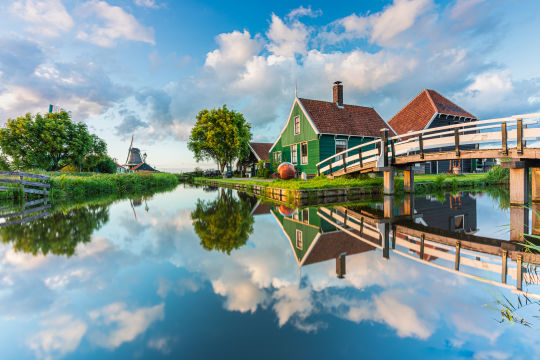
(289, 119)
(430, 121)
(254, 152)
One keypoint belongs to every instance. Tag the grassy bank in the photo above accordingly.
(423, 183)
(77, 188)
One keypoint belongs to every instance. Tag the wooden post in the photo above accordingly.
(504, 266)
(330, 164)
(360, 157)
(408, 205)
(23, 195)
(386, 244)
(389, 182)
(504, 138)
(519, 223)
(422, 240)
(393, 147)
(394, 234)
(535, 184)
(384, 146)
(456, 136)
(345, 217)
(519, 186)
(318, 170)
(408, 180)
(421, 145)
(345, 163)
(458, 254)
(519, 136)
(388, 207)
(362, 226)
(519, 270)
(340, 265)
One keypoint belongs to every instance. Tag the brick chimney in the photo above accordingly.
(338, 93)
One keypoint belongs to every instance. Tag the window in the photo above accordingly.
(299, 242)
(303, 154)
(305, 215)
(277, 157)
(459, 222)
(294, 154)
(341, 145)
(296, 125)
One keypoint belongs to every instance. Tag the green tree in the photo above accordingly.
(48, 142)
(59, 233)
(223, 224)
(221, 135)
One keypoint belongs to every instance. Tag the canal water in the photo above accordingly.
(201, 273)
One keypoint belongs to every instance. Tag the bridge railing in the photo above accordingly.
(502, 133)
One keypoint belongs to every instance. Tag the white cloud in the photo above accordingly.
(116, 25)
(124, 325)
(397, 18)
(235, 49)
(153, 4)
(292, 301)
(48, 18)
(287, 40)
(302, 11)
(62, 335)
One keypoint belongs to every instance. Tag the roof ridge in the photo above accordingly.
(431, 99)
(331, 102)
(409, 103)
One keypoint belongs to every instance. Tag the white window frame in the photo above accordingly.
(294, 159)
(305, 215)
(336, 151)
(299, 241)
(462, 222)
(297, 122)
(277, 157)
(302, 162)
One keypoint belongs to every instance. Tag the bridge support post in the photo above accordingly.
(408, 180)
(519, 186)
(408, 205)
(535, 184)
(389, 182)
(519, 222)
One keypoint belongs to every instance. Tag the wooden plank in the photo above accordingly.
(37, 209)
(35, 217)
(36, 183)
(34, 191)
(35, 202)
(35, 176)
(10, 181)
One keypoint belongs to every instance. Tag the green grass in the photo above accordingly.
(76, 188)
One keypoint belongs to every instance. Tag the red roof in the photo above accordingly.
(347, 120)
(417, 114)
(261, 149)
(331, 245)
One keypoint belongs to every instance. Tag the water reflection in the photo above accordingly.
(149, 287)
(224, 224)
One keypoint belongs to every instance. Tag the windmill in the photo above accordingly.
(129, 151)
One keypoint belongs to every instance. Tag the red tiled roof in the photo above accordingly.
(261, 149)
(417, 114)
(262, 208)
(347, 120)
(331, 245)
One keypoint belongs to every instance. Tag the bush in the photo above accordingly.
(497, 175)
(106, 165)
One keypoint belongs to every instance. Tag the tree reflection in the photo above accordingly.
(223, 224)
(59, 233)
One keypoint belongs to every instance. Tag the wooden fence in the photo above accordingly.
(29, 183)
(31, 210)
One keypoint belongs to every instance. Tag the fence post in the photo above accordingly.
(318, 170)
(504, 266)
(519, 274)
(360, 157)
(422, 240)
(345, 162)
(22, 185)
(456, 136)
(504, 138)
(421, 145)
(384, 146)
(393, 148)
(458, 251)
(330, 164)
(519, 136)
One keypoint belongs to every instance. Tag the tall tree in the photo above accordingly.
(221, 135)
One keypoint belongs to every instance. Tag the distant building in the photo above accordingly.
(135, 161)
(428, 110)
(318, 129)
(257, 152)
(120, 169)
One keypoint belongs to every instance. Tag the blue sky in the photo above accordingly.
(146, 67)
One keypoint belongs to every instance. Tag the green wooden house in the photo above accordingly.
(317, 129)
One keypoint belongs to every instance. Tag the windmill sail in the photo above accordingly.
(129, 150)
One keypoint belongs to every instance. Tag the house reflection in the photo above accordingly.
(314, 240)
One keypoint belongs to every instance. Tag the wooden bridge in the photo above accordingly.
(459, 253)
(504, 138)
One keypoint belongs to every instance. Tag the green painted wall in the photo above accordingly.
(306, 130)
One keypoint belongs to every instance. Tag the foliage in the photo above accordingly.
(221, 135)
(498, 174)
(82, 187)
(223, 224)
(59, 233)
(262, 169)
(48, 142)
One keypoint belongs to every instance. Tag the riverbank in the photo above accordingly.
(321, 190)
